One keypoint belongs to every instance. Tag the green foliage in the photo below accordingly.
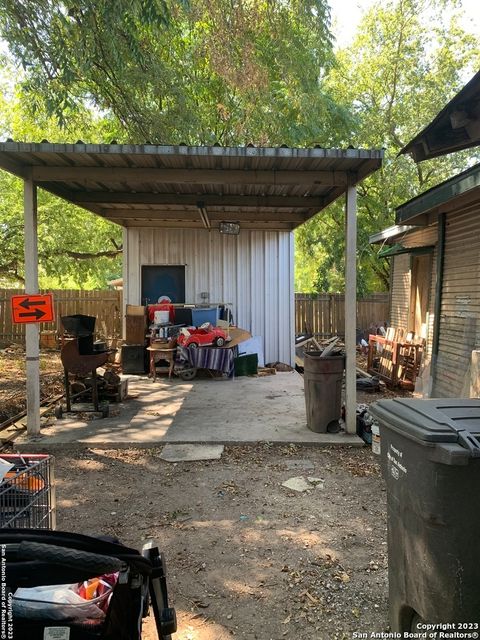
(170, 72)
(228, 72)
(402, 68)
(76, 249)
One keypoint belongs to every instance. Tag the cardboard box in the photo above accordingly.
(135, 329)
(135, 310)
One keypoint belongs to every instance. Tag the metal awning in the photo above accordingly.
(397, 249)
(456, 127)
(192, 187)
(180, 186)
(460, 191)
(390, 233)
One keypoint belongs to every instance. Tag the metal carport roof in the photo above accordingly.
(135, 185)
(181, 186)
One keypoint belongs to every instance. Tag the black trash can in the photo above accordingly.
(430, 456)
(323, 379)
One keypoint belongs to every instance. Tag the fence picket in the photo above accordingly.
(323, 314)
(106, 306)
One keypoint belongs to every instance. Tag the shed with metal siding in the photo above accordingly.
(252, 271)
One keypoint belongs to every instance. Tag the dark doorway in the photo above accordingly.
(160, 281)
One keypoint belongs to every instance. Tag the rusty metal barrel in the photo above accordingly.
(323, 379)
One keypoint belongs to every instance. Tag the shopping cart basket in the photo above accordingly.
(33, 558)
(27, 491)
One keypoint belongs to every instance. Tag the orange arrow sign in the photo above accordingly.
(32, 308)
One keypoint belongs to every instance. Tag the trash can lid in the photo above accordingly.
(449, 420)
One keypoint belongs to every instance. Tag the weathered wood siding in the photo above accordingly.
(400, 291)
(424, 238)
(460, 310)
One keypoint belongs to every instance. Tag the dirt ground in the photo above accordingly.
(247, 557)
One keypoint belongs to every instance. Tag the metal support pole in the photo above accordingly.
(351, 309)
(31, 287)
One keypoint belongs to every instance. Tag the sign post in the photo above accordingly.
(30, 309)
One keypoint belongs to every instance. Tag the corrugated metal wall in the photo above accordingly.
(253, 271)
(459, 326)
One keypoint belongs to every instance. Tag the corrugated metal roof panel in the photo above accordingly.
(291, 180)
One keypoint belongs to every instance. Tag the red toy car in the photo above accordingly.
(203, 336)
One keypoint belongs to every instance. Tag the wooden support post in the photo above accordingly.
(31, 287)
(351, 309)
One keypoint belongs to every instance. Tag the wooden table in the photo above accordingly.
(161, 350)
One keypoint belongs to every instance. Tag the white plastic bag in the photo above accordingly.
(56, 602)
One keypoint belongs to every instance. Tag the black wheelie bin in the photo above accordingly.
(430, 456)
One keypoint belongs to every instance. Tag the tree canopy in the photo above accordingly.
(403, 66)
(229, 72)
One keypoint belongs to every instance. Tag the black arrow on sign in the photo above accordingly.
(38, 313)
(26, 304)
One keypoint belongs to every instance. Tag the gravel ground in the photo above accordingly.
(246, 556)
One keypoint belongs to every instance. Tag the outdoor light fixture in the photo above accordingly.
(230, 228)
(203, 215)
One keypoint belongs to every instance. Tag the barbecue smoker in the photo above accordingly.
(81, 357)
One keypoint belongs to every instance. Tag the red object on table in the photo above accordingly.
(205, 335)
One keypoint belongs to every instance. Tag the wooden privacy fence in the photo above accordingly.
(106, 306)
(324, 313)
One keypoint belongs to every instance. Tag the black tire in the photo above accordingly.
(193, 345)
(187, 374)
(219, 342)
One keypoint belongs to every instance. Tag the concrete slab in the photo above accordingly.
(212, 410)
(191, 452)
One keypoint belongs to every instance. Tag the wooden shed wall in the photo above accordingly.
(423, 238)
(460, 310)
(400, 291)
(253, 271)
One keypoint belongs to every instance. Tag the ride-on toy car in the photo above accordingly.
(205, 335)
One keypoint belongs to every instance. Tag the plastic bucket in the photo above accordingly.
(161, 317)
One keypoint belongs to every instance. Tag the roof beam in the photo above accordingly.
(226, 200)
(13, 167)
(188, 176)
(164, 214)
(192, 224)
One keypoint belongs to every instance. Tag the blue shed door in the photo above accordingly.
(158, 281)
